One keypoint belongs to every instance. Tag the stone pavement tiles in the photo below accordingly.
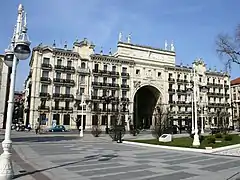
(89, 160)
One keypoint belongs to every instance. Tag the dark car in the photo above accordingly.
(58, 128)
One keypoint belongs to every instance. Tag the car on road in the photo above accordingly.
(57, 128)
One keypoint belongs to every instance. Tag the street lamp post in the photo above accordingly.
(81, 127)
(18, 50)
(204, 90)
(196, 141)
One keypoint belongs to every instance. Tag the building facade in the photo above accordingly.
(5, 73)
(132, 81)
(235, 91)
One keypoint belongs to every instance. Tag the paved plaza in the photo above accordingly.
(68, 157)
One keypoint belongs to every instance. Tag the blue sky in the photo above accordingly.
(192, 25)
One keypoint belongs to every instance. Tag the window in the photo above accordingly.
(44, 88)
(46, 60)
(82, 79)
(96, 67)
(124, 94)
(95, 92)
(45, 73)
(124, 81)
(169, 75)
(178, 76)
(138, 71)
(185, 76)
(170, 98)
(105, 80)
(56, 104)
(170, 86)
(95, 79)
(105, 67)
(66, 119)
(113, 80)
(113, 93)
(124, 69)
(200, 79)
(68, 76)
(179, 87)
(57, 89)
(114, 68)
(68, 90)
(69, 63)
(159, 74)
(83, 65)
(43, 103)
(81, 91)
(104, 91)
(67, 104)
(59, 62)
(58, 75)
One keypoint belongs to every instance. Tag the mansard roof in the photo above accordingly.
(109, 58)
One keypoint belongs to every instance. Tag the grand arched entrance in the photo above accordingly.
(145, 101)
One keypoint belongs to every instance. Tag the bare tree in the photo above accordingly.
(228, 47)
(162, 122)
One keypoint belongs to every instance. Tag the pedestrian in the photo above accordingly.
(29, 127)
(36, 128)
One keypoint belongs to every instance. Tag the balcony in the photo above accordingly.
(69, 69)
(59, 68)
(83, 70)
(171, 91)
(57, 95)
(55, 108)
(68, 109)
(45, 80)
(125, 75)
(124, 99)
(114, 74)
(46, 66)
(96, 71)
(99, 84)
(114, 85)
(125, 86)
(44, 95)
(68, 96)
(44, 108)
(58, 81)
(96, 98)
(69, 82)
(172, 80)
(180, 80)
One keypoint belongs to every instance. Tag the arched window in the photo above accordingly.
(83, 65)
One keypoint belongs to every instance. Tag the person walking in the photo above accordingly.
(36, 128)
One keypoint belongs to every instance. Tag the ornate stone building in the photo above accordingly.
(132, 81)
(4, 89)
(235, 91)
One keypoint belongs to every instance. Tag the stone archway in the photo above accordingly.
(145, 100)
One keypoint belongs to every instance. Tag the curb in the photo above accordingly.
(209, 151)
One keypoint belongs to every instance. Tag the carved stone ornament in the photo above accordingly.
(137, 84)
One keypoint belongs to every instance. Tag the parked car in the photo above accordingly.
(58, 128)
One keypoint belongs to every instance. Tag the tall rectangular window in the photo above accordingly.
(104, 79)
(105, 67)
(45, 73)
(81, 91)
(96, 67)
(44, 88)
(46, 60)
(68, 90)
(82, 79)
(57, 89)
(124, 69)
(124, 94)
(69, 63)
(59, 62)
(95, 79)
(58, 75)
(114, 68)
(68, 76)
(95, 92)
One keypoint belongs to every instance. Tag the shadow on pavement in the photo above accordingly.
(98, 157)
(43, 138)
